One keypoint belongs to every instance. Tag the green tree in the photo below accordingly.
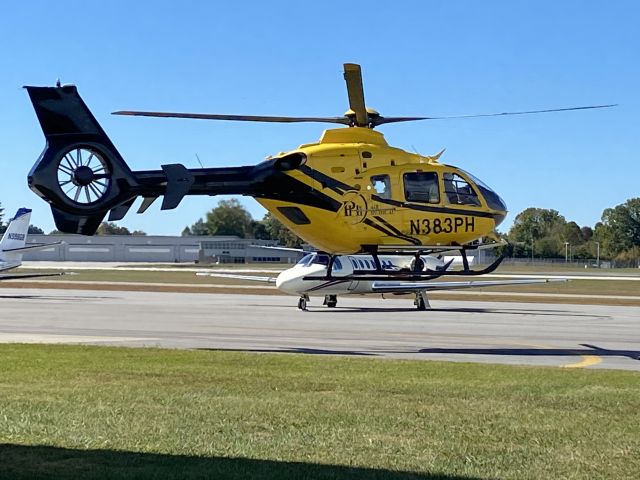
(228, 218)
(542, 227)
(277, 231)
(619, 230)
(535, 223)
(570, 232)
(110, 228)
(547, 247)
(260, 230)
(198, 228)
(587, 233)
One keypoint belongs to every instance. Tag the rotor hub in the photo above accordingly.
(83, 176)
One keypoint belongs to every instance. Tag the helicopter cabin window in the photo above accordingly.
(382, 185)
(458, 191)
(421, 187)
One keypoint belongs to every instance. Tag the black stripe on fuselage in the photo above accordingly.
(326, 181)
(398, 233)
(330, 283)
(283, 187)
(390, 233)
(427, 208)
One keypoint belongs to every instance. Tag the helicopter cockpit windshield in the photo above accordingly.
(458, 191)
(492, 198)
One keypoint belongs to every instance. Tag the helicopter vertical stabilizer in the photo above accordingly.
(80, 169)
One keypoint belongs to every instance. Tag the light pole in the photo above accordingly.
(598, 254)
(566, 252)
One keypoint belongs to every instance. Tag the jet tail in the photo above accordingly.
(14, 238)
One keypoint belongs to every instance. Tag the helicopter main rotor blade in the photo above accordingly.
(355, 90)
(239, 118)
(382, 120)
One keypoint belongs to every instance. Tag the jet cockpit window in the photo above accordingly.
(421, 187)
(458, 191)
(306, 260)
(321, 260)
(382, 185)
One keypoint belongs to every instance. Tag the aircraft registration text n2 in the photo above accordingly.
(427, 226)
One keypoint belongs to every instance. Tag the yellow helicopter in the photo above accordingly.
(350, 192)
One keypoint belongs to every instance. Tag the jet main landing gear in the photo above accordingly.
(422, 302)
(330, 300)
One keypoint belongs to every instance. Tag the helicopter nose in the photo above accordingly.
(502, 211)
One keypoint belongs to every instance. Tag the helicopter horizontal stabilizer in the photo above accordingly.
(179, 181)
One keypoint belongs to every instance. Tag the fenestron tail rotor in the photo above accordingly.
(83, 175)
(358, 114)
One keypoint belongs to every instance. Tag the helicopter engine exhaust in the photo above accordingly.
(83, 176)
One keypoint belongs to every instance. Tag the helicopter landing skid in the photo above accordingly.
(407, 275)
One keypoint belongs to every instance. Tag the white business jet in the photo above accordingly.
(12, 247)
(309, 278)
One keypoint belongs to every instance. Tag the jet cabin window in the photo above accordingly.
(421, 187)
(382, 185)
(458, 191)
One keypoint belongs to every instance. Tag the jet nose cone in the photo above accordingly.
(285, 284)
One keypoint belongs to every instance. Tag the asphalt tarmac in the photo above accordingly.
(572, 336)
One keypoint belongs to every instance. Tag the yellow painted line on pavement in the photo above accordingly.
(587, 361)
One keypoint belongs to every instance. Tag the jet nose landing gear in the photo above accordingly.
(302, 302)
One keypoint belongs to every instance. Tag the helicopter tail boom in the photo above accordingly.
(83, 176)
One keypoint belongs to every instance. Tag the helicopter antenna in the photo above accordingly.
(198, 158)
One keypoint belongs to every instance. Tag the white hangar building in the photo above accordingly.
(158, 249)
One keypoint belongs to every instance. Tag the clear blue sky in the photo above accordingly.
(418, 58)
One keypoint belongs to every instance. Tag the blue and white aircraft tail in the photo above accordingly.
(13, 246)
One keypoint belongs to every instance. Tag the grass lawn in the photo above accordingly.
(98, 412)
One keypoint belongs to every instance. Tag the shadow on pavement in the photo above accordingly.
(516, 352)
(499, 311)
(302, 350)
(539, 352)
(64, 298)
